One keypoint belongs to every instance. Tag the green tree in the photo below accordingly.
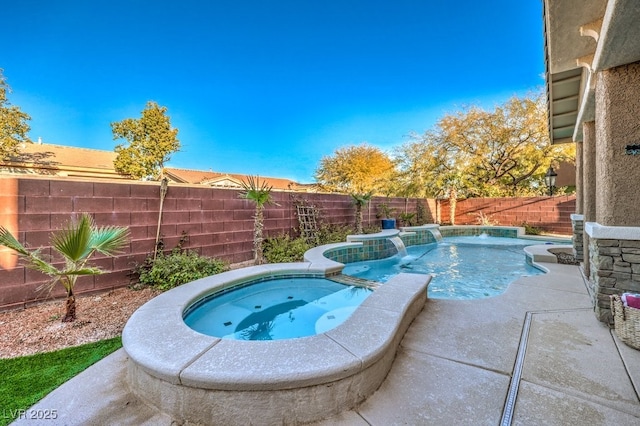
(13, 123)
(473, 153)
(75, 243)
(151, 141)
(260, 194)
(508, 150)
(359, 201)
(430, 168)
(420, 165)
(356, 170)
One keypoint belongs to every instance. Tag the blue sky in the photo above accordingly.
(265, 87)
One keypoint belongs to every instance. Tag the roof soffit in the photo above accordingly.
(563, 20)
(619, 42)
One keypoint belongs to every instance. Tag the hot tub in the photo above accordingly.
(204, 379)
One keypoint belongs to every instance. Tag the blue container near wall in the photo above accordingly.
(388, 224)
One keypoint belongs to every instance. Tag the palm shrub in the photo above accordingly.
(76, 242)
(260, 194)
(359, 201)
(406, 218)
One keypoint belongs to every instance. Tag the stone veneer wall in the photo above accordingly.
(577, 225)
(615, 269)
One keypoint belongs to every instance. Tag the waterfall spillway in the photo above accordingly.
(436, 234)
(399, 245)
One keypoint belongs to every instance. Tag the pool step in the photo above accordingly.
(354, 281)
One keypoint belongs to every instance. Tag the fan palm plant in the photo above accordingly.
(259, 193)
(360, 200)
(75, 243)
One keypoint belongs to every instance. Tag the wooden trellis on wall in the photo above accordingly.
(307, 218)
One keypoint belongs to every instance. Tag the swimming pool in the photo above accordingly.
(469, 267)
(174, 368)
(283, 308)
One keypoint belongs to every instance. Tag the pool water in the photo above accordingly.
(462, 267)
(282, 308)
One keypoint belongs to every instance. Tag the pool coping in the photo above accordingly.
(173, 367)
(545, 253)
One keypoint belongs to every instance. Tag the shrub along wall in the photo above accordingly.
(216, 223)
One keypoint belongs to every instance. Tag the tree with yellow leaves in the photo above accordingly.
(501, 153)
(151, 140)
(357, 169)
(13, 123)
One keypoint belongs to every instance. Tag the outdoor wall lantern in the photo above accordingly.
(632, 149)
(550, 180)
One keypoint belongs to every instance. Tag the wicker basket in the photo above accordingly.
(627, 322)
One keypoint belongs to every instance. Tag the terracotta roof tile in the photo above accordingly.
(58, 155)
(85, 162)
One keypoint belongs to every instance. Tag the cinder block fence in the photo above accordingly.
(214, 222)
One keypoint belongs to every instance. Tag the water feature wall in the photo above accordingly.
(416, 235)
(382, 244)
(474, 231)
(366, 249)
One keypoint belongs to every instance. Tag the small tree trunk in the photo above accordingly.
(257, 236)
(453, 194)
(70, 304)
(164, 184)
(359, 219)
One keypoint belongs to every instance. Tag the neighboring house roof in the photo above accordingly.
(58, 160)
(70, 161)
(230, 180)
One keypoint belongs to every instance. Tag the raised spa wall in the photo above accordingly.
(203, 379)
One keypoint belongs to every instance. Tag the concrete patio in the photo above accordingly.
(532, 356)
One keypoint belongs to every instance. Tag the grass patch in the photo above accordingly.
(27, 379)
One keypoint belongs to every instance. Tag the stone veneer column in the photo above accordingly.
(577, 227)
(615, 261)
(617, 118)
(588, 186)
